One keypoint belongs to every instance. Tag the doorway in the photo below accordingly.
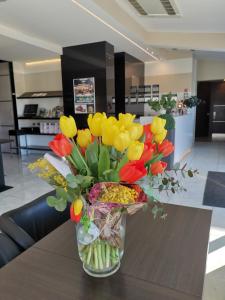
(210, 114)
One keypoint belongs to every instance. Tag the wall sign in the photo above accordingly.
(84, 95)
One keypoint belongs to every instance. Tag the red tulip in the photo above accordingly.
(147, 154)
(158, 167)
(166, 148)
(132, 171)
(61, 145)
(148, 133)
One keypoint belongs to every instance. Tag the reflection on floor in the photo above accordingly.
(205, 157)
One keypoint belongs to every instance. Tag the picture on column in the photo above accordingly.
(84, 95)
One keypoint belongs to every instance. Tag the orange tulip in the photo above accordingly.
(61, 145)
(158, 167)
(166, 148)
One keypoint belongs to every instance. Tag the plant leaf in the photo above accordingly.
(91, 155)
(104, 161)
(51, 200)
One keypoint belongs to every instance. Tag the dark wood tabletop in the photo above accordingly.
(163, 260)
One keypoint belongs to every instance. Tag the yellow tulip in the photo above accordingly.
(122, 141)
(126, 120)
(135, 150)
(159, 138)
(95, 123)
(77, 206)
(136, 131)
(68, 126)
(84, 138)
(157, 125)
(110, 131)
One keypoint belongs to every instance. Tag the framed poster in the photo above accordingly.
(84, 95)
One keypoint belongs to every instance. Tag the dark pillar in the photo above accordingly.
(129, 71)
(83, 61)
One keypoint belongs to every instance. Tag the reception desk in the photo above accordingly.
(184, 133)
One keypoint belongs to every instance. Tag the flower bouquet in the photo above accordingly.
(105, 172)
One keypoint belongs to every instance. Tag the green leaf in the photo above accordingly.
(173, 190)
(104, 161)
(71, 180)
(148, 190)
(79, 161)
(176, 166)
(60, 193)
(91, 155)
(161, 188)
(190, 173)
(61, 204)
(122, 162)
(165, 181)
(51, 200)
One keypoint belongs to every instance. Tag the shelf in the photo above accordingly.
(33, 147)
(50, 134)
(37, 118)
(35, 95)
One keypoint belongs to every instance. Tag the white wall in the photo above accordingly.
(210, 69)
(44, 77)
(171, 75)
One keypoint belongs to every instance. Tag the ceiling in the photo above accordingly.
(11, 49)
(196, 16)
(64, 24)
(31, 29)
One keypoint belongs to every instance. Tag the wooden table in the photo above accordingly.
(2, 177)
(163, 260)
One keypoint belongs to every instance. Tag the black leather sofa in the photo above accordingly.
(29, 223)
(8, 249)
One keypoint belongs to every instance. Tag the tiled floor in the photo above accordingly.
(205, 156)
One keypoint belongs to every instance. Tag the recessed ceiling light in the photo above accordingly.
(114, 29)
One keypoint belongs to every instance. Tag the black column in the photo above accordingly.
(88, 60)
(129, 71)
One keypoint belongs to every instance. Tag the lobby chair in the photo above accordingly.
(31, 222)
(8, 249)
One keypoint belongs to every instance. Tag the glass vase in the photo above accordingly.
(102, 256)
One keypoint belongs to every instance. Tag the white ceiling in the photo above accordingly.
(196, 16)
(40, 28)
(64, 23)
(11, 49)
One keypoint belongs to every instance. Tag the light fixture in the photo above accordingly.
(40, 62)
(114, 29)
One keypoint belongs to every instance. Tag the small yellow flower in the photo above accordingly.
(122, 141)
(95, 123)
(84, 138)
(159, 138)
(135, 131)
(135, 150)
(126, 120)
(68, 126)
(158, 125)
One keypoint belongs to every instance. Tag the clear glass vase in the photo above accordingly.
(102, 256)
